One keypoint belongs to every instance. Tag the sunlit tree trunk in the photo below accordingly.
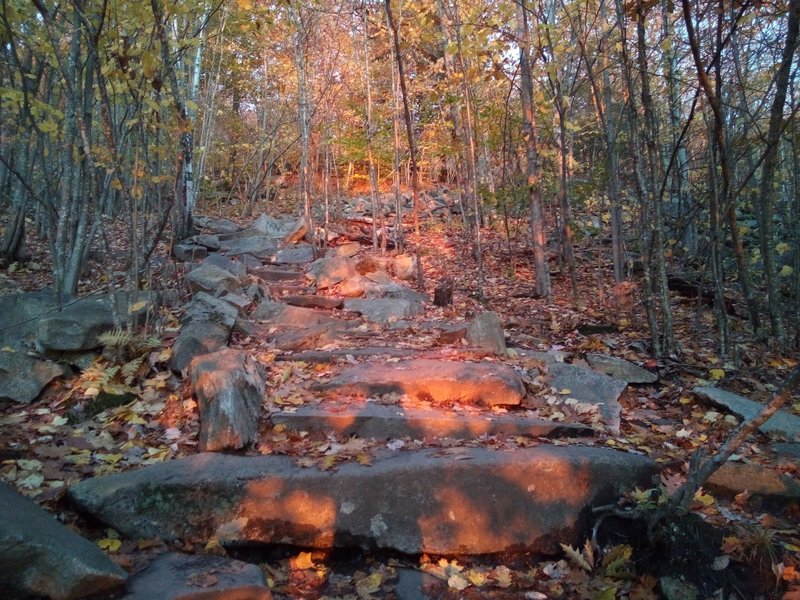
(543, 288)
(412, 146)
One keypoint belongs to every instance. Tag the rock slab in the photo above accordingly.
(174, 576)
(486, 332)
(439, 381)
(378, 421)
(781, 423)
(619, 368)
(41, 557)
(420, 501)
(384, 310)
(23, 377)
(590, 387)
(229, 386)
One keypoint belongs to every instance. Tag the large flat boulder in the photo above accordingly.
(208, 278)
(79, 325)
(41, 557)
(289, 315)
(384, 310)
(781, 423)
(327, 272)
(421, 501)
(229, 386)
(23, 377)
(296, 255)
(250, 241)
(439, 381)
(379, 421)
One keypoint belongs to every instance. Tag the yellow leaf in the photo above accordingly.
(369, 585)
(705, 499)
(716, 374)
(327, 462)
(7, 349)
(565, 391)
(137, 306)
(245, 4)
(110, 544)
(477, 578)
(303, 561)
(782, 248)
(786, 271)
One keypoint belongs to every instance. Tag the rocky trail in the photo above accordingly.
(304, 407)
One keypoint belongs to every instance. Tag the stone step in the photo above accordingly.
(382, 422)
(452, 501)
(328, 356)
(439, 381)
(312, 301)
(274, 274)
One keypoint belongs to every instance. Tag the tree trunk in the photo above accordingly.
(769, 168)
(543, 288)
(412, 147)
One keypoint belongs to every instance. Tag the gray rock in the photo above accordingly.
(79, 325)
(530, 499)
(271, 227)
(548, 357)
(791, 450)
(216, 225)
(379, 421)
(590, 387)
(250, 262)
(291, 316)
(327, 272)
(781, 423)
(384, 310)
(353, 287)
(452, 333)
(229, 387)
(252, 242)
(196, 338)
(272, 274)
(207, 308)
(233, 267)
(306, 338)
(374, 289)
(347, 250)
(313, 301)
(486, 332)
(483, 384)
(20, 315)
(23, 377)
(189, 252)
(297, 255)
(620, 369)
(173, 576)
(208, 278)
(296, 233)
(405, 266)
(209, 240)
(41, 557)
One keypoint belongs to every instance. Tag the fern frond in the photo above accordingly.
(130, 369)
(116, 338)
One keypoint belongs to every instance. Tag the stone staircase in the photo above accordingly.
(441, 443)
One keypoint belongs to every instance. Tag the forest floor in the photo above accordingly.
(42, 451)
